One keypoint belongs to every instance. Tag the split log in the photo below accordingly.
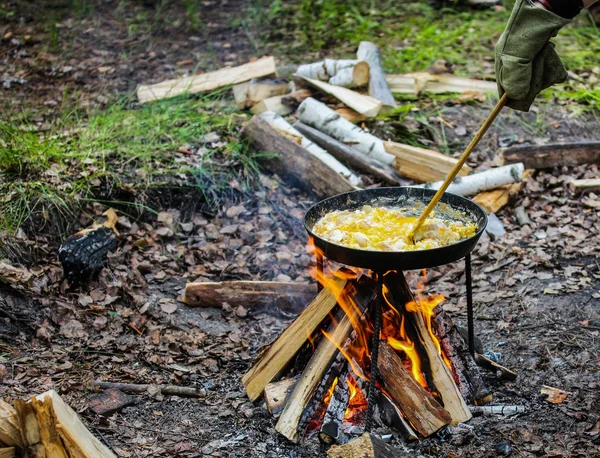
(487, 363)
(277, 394)
(318, 115)
(482, 181)
(274, 104)
(295, 98)
(10, 431)
(504, 411)
(30, 429)
(295, 163)
(281, 124)
(48, 426)
(250, 294)
(331, 428)
(422, 165)
(439, 373)
(467, 376)
(281, 352)
(392, 416)
(550, 156)
(350, 115)
(170, 390)
(85, 254)
(8, 452)
(420, 408)
(351, 156)
(318, 365)
(366, 446)
(360, 103)
(378, 86)
(493, 201)
(206, 82)
(591, 184)
(355, 76)
(250, 93)
(416, 83)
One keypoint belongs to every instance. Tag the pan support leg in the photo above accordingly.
(319, 271)
(372, 390)
(470, 323)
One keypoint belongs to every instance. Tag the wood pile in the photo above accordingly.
(46, 427)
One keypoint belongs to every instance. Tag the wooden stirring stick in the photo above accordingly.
(482, 130)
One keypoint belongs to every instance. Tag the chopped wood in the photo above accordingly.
(355, 76)
(277, 394)
(590, 184)
(493, 201)
(422, 165)
(351, 156)
(347, 73)
(48, 427)
(10, 431)
(170, 390)
(482, 181)
(420, 408)
(274, 104)
(250, 93)
(392, 416)
(363, 104)
(365, 446)
(8, 452)
(295, 98)
(30, 429)
(206, 82)
(284, 348)
(281, 124)
(378, 86)
(317, 366)
(504, 411)
(318, 115)
(331, 428)
(416, 83)
(294, 163)
(250, 294)
(555, 395)
(435, 366)
(350, 115)
(550, 156)
(487, 363)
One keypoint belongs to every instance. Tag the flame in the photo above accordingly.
(357, 401)
(408, 347)
(310, 339)
(329, 393)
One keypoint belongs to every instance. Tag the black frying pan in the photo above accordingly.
(382, 261)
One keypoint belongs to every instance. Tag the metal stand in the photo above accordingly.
(319, 271)
(377, 309)
(470, 324)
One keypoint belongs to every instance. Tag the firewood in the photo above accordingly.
(296, 97)
(467, 376)
(350, 115)
(206, 82)
(277, 394)
(273, 104)
(318, 115)
(482, 181)
(48, 425)
(30, 429)
(422, 165)
(350, 77)
(378, 86)
(550, 156)
(366, 446)
(281, 124)
(284, 348)
(392, 416)
(363, 104)
(439, 373)
(317, 366)
(250, 294)
(331, 428)
(505, 411)
(420, 408)
(416, 83)
(84, 254)
(492, 201)
(250, 93)
(591, 184)
(10, 432)
(487, 363)
(295, 163)
(7, 452)
(174, 390)
(351, 156)
(347, 73)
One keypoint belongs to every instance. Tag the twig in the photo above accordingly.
(143, 388)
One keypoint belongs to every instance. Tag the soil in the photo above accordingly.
(537, 288)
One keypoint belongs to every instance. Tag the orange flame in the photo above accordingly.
(329, 393)
(357, 401)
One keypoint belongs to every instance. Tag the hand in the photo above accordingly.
(526, 62)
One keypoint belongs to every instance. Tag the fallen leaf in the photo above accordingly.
(555, 395)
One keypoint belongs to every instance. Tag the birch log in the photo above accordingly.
(346, 73)
(323, 118)
(355, 76)
(279, 123)
(363, 104)
(415, 83)
(378, 86)
(483, 181)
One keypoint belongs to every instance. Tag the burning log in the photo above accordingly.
(84, 254)
(366, 446)
(277, 394)
(378, 86)
(422, 165)
(331, 429)
(250, 294)
(274, 104)
(360, 103)
(277, 355)
(314, 372)
(295, 162)
(467, 375)
(550, 156)
(351, 156)
(422, 411)
(206, 82)
(252, 92)
(487, 363)
(440, 374)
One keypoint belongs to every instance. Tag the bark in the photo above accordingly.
(350, 77)
(550, 156)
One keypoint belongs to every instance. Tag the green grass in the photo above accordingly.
(119, 157)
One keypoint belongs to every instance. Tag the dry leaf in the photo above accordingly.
(555, 395)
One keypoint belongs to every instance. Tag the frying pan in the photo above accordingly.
(383, 261)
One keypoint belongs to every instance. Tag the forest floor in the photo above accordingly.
(195, 206)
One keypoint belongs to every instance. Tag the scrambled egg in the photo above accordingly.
(387, 229)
